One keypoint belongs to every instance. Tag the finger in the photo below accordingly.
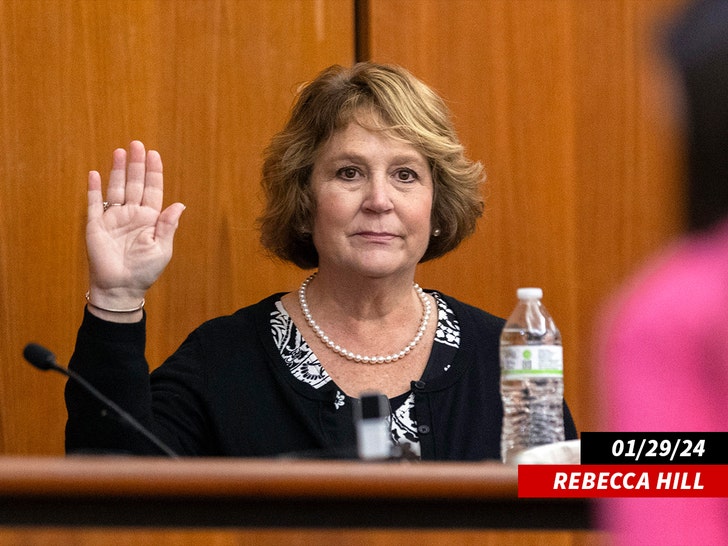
(95, 198)
(117, 178)
(167, 223)
(153, 185)
(135, 174)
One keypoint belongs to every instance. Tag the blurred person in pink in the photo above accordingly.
(664, 350)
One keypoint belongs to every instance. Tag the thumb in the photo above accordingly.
(168, 221)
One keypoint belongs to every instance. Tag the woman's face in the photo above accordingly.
(373, 199)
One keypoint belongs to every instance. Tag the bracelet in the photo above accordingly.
(134, 310)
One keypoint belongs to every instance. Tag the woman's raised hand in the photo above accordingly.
(128, 235)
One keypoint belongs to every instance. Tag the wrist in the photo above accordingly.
(115, 309)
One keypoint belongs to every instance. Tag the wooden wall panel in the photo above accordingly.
(553, 96)
(206, 82)
(557, 99)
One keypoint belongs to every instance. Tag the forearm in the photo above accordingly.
(111, 358)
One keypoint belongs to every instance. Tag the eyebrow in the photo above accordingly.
(354, 157)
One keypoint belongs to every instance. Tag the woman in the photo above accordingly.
(366, 180)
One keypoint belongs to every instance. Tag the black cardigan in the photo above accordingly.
(227, 392)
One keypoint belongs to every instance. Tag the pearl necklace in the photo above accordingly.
(341, 351)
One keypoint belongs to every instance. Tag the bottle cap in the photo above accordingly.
(529, 293)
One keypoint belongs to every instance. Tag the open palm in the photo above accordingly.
(129, 239)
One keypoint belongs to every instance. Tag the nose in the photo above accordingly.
(378, 195)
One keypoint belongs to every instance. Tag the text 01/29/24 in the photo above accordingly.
(653, 448)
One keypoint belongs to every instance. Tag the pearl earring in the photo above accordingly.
(436, 232)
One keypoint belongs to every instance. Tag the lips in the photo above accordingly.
(377, 235)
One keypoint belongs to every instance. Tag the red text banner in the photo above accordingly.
(571, 481)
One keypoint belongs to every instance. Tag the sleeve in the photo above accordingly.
(570, 432)
(110, 357)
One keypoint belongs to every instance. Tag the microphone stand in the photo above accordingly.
(44, 360)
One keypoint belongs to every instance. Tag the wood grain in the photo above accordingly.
(204, 82)
(554, 98)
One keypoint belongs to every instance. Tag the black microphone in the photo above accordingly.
(44, 360)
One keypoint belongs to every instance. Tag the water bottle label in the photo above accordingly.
(532, 361)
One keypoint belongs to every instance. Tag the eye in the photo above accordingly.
(347, 173)
(406, 175)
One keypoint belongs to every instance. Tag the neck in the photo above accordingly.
(363, 298)
(359, 329)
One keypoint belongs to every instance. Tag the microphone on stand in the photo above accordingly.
(44, 360)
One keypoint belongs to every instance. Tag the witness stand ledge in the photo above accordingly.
(276, 493)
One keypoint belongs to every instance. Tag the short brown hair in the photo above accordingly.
(403, 106)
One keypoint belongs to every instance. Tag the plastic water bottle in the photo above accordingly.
(532, 377)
